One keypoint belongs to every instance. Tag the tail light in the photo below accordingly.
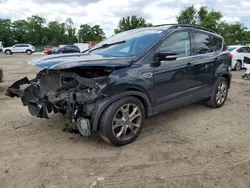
(229, 55)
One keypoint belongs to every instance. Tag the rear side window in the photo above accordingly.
(203, 43)
(178, 43)
(24, 45)
(217, 44)
(248, 49)
(242, 50)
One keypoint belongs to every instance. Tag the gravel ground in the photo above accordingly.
(192, 147)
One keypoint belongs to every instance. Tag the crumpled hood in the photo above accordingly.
(79, 60)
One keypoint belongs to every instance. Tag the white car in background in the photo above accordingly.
(20, 48)
(238, 53)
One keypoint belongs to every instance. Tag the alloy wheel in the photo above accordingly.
(126, 121)
(238, 66)
(221, 93)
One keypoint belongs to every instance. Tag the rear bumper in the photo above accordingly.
(1, 75)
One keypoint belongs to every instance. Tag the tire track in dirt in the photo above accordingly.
(135, 174)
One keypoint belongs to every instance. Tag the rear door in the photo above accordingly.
(206, 52)
(174, 79)
(24, 48)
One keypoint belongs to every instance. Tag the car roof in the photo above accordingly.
(236, 46)
(165, 27)
(22, 44)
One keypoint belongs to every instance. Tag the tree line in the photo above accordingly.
(34, 29)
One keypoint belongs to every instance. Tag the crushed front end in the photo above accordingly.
(69, 92)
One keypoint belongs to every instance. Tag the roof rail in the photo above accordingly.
(185, 25)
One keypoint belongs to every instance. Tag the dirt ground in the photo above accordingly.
(192, 147)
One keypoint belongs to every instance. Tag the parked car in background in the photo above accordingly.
(20, 48)
(48, 49)
(238, 53)
(135, 74)
(67, 49)
(1, 75)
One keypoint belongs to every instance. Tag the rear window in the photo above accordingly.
(231, 49)
(205, 43)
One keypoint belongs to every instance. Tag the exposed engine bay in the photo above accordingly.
(72, 92)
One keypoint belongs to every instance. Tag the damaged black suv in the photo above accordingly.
(113, 87)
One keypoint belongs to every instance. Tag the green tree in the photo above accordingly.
(55, 33)
(87, 33)
(6, 35)
(201, 17)
(35, 29)
(20, 31)
(70, 37)
(131, 23)
(247, 36)
(232, 33)
(188, 16)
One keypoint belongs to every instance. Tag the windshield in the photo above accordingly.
(135, 42)
(231, 49)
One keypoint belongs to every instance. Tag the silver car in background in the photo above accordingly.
(20, 48)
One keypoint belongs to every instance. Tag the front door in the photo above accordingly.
(174, 79)
(16, 48)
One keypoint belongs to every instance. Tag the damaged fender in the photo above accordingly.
(102, 104)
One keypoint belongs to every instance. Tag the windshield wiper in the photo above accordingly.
(106, 45)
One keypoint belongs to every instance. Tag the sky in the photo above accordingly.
(107, 13)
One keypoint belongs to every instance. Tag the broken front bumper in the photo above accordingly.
(46, 94)
(32, 97)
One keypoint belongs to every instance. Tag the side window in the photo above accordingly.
(217, 44)
(240, 50)
(248, 49)
(244, 50)
(203, 43)
(18, 45)
(178, 43)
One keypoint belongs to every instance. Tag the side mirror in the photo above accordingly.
(166, 56)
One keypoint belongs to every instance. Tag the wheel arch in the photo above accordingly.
(227, 77)
(103, 104)
(7, 50)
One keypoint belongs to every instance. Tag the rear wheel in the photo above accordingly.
(28, 52)
(122, 121)
(219, 93)
(238, 66)
(8, 52)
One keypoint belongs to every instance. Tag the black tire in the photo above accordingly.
(106, 122)
(8, 52)
(28, 52)
(238, 66)
(212, 102)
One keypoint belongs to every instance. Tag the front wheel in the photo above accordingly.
(8, 52)
(219, 93)
(238, 66)
(122, 121)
